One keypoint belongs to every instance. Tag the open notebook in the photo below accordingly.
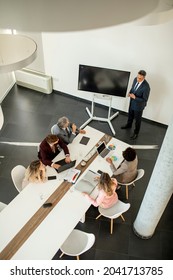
(87, 183)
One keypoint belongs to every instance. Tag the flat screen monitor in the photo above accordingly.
(103, 80)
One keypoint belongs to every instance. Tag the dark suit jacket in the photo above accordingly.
(46, 155)
(142, 94)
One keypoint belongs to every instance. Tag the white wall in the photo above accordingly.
(132, 46)
(128, 47)
(6, 81)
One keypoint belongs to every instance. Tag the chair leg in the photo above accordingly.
(98, 216)
(127, 192)
(122, 218)
(112, 224)
(61, 255)
(77, 257)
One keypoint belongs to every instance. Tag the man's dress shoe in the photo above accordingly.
(134, 136)
(125, 127)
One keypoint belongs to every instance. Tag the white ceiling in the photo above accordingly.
(71, 15)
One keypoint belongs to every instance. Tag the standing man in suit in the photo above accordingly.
(138, 94)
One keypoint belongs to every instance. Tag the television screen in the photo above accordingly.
(103, 80)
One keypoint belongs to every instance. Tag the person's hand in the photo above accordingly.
(97, 178)
(56, 166)
(73, 127)
(82, 131)
(85, 194)
(67, 160)
(109, 160)
(131, 95)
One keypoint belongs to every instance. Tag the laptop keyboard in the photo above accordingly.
(104, 153)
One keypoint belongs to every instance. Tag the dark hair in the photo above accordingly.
(129, 154)
(142, 72)
(51, 138)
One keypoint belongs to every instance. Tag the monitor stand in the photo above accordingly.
(91, 114)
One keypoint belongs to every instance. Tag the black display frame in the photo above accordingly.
(103, 80)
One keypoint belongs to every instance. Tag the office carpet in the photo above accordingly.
(29, 116)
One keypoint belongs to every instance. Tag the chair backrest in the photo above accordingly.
(78, 242)
(1, 118)
(2, 206)
(17, 175)
(38, 147)
(52, 129)
(140, 174)
(116, 210)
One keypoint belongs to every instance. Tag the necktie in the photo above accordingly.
(135, 87)
(67, 131)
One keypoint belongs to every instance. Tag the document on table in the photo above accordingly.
(88, 183)
(72, 175)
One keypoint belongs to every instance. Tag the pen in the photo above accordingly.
(74, 177)
(92, 171)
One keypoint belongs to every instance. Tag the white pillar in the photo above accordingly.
(159, 190)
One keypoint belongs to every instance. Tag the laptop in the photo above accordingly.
(102, 150)
(64, 166)
(88, 183)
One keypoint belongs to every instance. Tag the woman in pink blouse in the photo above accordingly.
(107, 195)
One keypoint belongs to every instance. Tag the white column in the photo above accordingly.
(159, 190)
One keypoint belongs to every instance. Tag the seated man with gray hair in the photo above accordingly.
(65, 130)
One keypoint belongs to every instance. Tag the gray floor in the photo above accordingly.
(29, 116)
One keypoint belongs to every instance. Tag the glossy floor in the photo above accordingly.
(29, 116)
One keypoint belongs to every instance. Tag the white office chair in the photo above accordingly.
(1, 117)
(17, 175)
(2, 206)
(52, 128)
(77, 243)
(114, 212)
(1, 122)
(140, 174)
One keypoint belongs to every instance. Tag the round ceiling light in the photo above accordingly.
(16, 52)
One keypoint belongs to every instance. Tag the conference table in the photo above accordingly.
(30, 232)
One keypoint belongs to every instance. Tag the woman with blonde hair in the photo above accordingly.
(35, 173)
(107, 195)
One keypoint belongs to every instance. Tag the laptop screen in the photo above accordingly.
(101, 147)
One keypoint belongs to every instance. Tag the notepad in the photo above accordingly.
(72, 175)
(84, 140)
